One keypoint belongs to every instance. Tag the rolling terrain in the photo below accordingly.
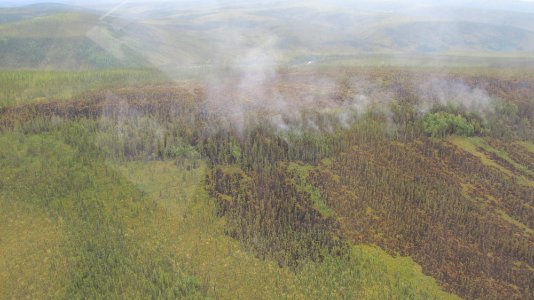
(178, 40)
(460, 206)
(266, 150)
(61, 38)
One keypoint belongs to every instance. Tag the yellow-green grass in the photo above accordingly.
(502, 155)
(470, 145)
(467, 144)
(473, 144)
(301, 173)
(30, 262)
(467, 189)
(513, 221)
(527, 145)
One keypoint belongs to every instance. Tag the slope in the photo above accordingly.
(66, 40)
(143, 229)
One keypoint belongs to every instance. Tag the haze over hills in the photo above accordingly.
(171, 36)
(58, 37)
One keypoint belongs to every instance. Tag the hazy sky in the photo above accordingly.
(502, 3)
(525, 6)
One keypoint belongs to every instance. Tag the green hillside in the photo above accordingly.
(450, 36)
(14, 14)
(348, 31)
(69, 38)
(65, 41)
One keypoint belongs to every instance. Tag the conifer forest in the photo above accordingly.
(267, 150)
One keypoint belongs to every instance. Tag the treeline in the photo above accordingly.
(25, 87)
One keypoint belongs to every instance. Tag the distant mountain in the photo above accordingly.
(17, 13)
(429, 37)
(297, 30)
(60, 37)
(181, 35)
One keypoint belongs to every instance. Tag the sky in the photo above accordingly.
(479, 3)
(395, 6)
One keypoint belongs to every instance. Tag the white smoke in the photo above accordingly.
(447, 91)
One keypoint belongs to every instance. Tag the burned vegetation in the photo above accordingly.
(352, 162)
